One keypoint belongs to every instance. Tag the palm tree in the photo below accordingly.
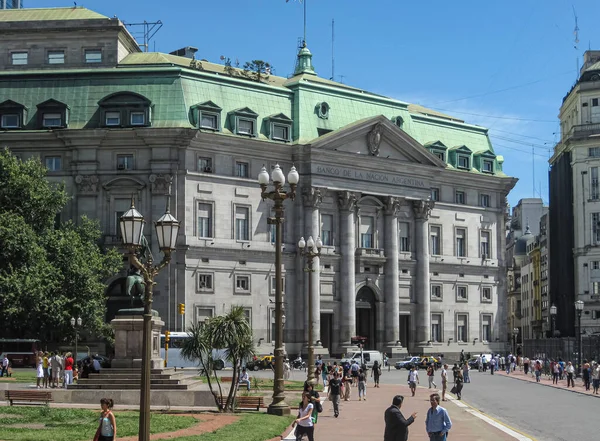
(230, 332)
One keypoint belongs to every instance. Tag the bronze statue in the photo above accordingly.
(135, 286)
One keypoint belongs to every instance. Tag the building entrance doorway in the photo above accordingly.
(405, 331)
(365, 316)
(326, 329)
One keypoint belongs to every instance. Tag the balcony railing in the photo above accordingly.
(584, 130)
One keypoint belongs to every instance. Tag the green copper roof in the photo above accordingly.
(43, 14)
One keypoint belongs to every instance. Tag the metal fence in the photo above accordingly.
(564, 348)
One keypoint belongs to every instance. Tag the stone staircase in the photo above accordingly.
(125, 378)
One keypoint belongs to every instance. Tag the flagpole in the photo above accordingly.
(304, 22)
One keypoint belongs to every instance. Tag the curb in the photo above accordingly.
(552, 386)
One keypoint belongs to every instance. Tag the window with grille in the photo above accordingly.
(436, 328)
(486, 294)
(367, 227)
(485, 244)
(461, 242)
(461, 293)
(486, 327)
(242, 284)
(594, 188)
(204, 282)
(205, 216)
(462, 321)
(404, 236)
(436, 292)
(242, 226)
(435, 233)
(595, 228)
(327, 229)
(594, 152)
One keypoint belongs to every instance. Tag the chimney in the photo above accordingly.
(187, 52)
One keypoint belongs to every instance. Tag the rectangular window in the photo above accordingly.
(204, 282)
(205, 216)
(10, 121)
(461, 293)
(272, 328)
(112, 118)
(488, 166)
(245, 126)
(485, 244)
(486, 294)
(461, 242)
(202, 315)
(367, 228)
(461, 327)
(486, 327)
(56, 57)
(205, 165)
(327, 229)
(242, 225)
(436, 292)
(436, 328)
(594, 102)
(52, 120)
(404, 236)
(18, 58)
(435, 236)
(463, 161)
(594, 188)
(435, 194)
(272, 286)
(242, 284)
(459, 197)
(280, 132)
(595, 288)
(248, 315)
(93, 56)
(209, 121)
(440, 156)
(138, 118)
(594, 152)
(53, 163)
(241, 169)
(484, 200)
(595, 228)
(596, 264)
(124, 162)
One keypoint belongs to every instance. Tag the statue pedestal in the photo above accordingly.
(129, 329)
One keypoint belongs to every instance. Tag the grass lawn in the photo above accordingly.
(44, 423)
(21, 376)
(250, 427)
(265, 384)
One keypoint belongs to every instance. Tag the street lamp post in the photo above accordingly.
(132, 231)
(515, 334)
(579, 308)
(553, 311)
(278, 195)
(76, 323)
(310, 249)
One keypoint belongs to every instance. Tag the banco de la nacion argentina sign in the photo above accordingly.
(370, 176)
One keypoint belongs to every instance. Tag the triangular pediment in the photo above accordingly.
(280, 117)
(52, 103)
(486, 154)
(246, 111)
(377, 136)
(10, 104)
(462, 149)
(207, 105)
(438, 145)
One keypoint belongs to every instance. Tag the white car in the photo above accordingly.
(408, 361)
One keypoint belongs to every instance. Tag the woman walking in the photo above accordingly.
(430, 376)
(304, 421)
(362, 385)
(107, 427)
(68, 369)
(40, 369)
(375, 373)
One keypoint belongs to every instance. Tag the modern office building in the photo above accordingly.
(409, 202)
(11, 4)
(575, 204)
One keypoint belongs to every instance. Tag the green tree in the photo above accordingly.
(230, 332)
(257, 70)
(48, 273)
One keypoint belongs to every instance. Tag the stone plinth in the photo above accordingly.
(129, 329)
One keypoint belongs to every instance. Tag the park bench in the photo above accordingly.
(244, 402)
(31, 396)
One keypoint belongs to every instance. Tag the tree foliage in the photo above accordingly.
(48, 273)
(257, 70)
(230, 332)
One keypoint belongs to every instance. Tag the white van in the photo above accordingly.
(368, 358)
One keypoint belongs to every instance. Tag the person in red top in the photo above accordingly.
(68, 369)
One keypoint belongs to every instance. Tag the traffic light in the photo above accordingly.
(182, 308)
(167, 336)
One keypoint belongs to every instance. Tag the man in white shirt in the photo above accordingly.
(4, 366)
(570, 369)
(245, 378)
(413, 379)
(444, 381)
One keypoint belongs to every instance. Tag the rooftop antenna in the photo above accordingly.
(304, 3)
(149, 30)
(576, 41)
(332, 57)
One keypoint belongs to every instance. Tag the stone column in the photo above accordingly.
(313, 198)
(392, 303)
(422, 210)
(347, 205)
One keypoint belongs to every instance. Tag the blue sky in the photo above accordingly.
(504, 65)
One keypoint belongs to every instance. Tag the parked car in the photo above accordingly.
(365, 357)
(104, 361)
(427, 361)
(407, 363)
(260, 363)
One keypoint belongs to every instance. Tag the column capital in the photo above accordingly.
(392, 206)
(347, 200)
(313, 196)
(422, 209)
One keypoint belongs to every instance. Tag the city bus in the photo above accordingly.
(20, 351)
(177, 361)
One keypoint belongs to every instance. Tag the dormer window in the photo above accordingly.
(52, 114)
(280, 127)
(463, 161)
(125, 109)
(243, 122)
(488, 166)
(206, 116)
(11, 115)
(438, 149)
(485, 162)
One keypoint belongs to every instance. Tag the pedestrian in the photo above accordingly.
(286, 369)
(479, 363)
(430, 376)
(107, 428)
(4, 366)
(396, 426)
(586, 374)
(325, 372)
(304, 422)
(244, 379)
(413, 379)
(596, 377)
(354, 372)
(54, 366)
(46, 369)
(502, 362)
(347, 385)
(465, 371)
(458, 384)
(362, 385)
(309, 387)
(570, 369)
(493, 363)
(444, 381)
(376, 373)
(335, 386)
(561, 371)
(437, 422)
(68, 363)
(526, 365)
(462, 356)
(40, 369)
